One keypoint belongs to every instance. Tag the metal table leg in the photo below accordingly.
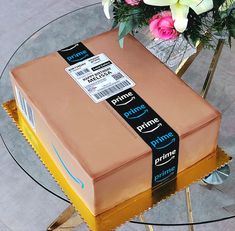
(67, 220)
(147, 227)
(212, 68)
(220, 175)
(189, 208)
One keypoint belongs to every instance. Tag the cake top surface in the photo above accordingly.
(94, 133)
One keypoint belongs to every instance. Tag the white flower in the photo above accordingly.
(106, 4)
(180, 9)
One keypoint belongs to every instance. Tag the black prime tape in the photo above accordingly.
(160, 137)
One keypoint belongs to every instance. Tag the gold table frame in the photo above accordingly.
(113, 218)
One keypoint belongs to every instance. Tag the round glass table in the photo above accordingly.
(208, 203)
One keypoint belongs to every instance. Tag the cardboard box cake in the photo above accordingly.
(115, 121)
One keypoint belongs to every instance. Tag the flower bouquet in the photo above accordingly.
(195, 20)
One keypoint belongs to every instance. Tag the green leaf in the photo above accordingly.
(232, 31)
(231, 24)
(121, 42)
(223, 14)
(115, 23)
(125, 28)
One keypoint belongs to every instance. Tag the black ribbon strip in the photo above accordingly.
(160, 137)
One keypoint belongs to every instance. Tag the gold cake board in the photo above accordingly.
(127, 210)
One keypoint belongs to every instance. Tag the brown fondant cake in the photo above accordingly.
(104, 158)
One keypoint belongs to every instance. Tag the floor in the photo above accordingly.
(25, 206)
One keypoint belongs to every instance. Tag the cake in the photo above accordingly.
(122, 126)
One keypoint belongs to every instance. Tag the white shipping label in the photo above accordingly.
(99, 77)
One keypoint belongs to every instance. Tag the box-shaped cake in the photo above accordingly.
(115, 121)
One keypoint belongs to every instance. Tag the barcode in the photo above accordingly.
(118, 76)
(26, 109)
(82, 72)
(112, 89)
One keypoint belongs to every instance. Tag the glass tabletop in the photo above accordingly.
(207, 203)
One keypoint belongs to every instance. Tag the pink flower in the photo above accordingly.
(161, 26)
(133, 2)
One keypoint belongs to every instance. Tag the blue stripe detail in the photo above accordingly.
(172, 141)
(78, 60)
(67, 170)
(135, 117)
